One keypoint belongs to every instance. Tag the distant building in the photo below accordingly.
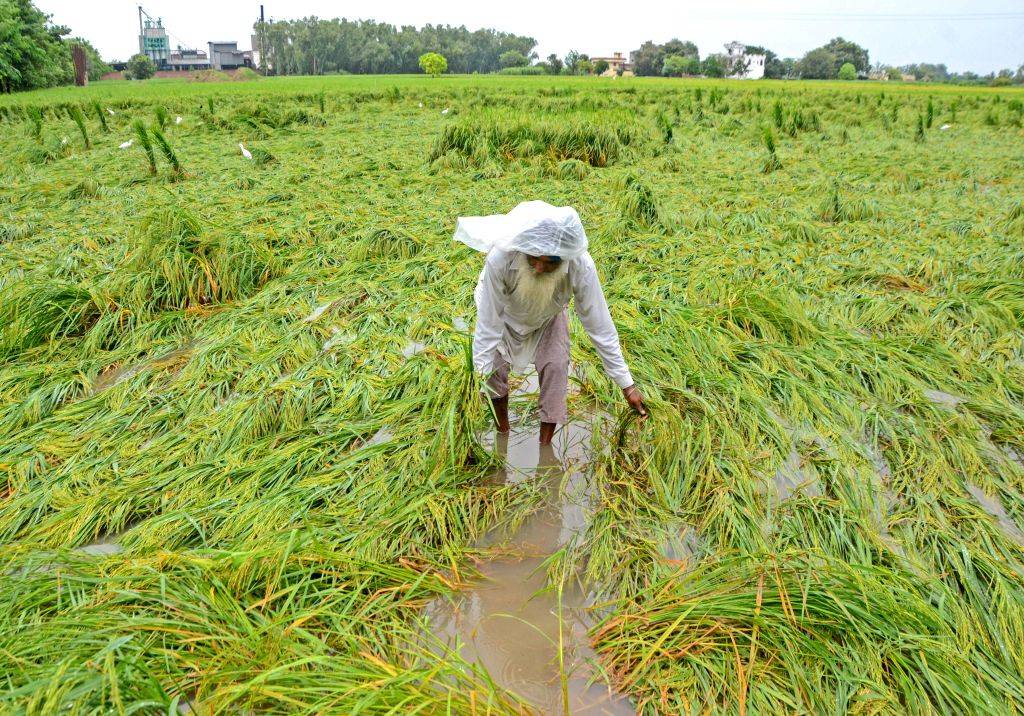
(187, 59)
(227, 56)
(617, 65)
(736, 54)
(153, 41)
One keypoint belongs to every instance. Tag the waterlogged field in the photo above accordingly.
(243, 385)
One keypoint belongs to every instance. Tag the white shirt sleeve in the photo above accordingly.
(592, 310)
(490, 303)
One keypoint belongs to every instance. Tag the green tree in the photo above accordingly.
(572, 58)
(32, 53)
(713, 66)
(675, 46)
(433, 64)
(819, 64)
(585, 66)
(848, 72)
(600, 67)
(513, 58)
(554, 64)
(648, 60)
(845, 51)
(893, 73)
(678, 65)
(140, 67)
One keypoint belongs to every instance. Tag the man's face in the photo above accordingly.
(543, 264)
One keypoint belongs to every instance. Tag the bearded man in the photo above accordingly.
(537, 261)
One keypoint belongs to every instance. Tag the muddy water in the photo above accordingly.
(507, 622)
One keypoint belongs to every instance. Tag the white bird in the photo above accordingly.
(177, 120)
(944, 127)
(125, 145)
(421, 105)
(444, 111)
(110, 111)
(63, 140)
(245, 152)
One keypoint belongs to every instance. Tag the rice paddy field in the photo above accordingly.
(242, 447)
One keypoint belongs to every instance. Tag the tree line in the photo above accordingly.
(36, 53)
(837, 59)
(313, 46)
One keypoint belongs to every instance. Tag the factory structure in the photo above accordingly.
(155, 43)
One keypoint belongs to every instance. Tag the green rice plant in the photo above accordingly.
(637, 203)
(85, 189)
(772, 163)
(143, 138)
(321, 101)
(35, 310)
(75, 112)
(100, 115)
(162, 118)
(572, 169)
(35, 116)
(167, 150)
(262, 157)
(919, 133)
(931, 114)
(777, 115)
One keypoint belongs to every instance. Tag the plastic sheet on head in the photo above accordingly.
(534, 228)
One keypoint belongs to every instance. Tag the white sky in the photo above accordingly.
(978, 35)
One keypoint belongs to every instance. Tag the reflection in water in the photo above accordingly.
(511, 623)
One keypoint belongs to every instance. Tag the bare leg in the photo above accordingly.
(547, 432)
(501, 413)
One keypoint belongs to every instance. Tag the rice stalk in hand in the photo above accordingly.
(101, 115)
(79, 118)
(142, 135)
(167, 150)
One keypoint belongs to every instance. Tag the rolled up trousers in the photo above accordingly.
(552, 363)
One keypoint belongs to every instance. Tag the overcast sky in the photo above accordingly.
(977, 35)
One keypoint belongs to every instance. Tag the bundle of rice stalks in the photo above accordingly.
(100, 115)
(572, 169)
(508, 140)
(175, 264)
(35, 117)
(637, 203)
(772, 163)
(162, 118)
(142, 136)
(36, 310)
(168, 152)
(75, 112)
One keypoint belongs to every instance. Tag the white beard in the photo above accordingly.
(534, 294)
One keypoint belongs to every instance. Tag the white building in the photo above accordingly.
(737, 53)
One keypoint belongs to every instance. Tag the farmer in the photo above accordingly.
(537, 260)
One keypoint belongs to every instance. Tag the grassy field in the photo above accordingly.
(818, 286)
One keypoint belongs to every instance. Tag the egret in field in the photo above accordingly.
(444, 111)
(125, 145)
(245, 152)
(177, 120)
(110, 112)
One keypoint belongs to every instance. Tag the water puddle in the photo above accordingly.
(103, 547)
(994, 507)
(112, 376)
(531, 642)
(791, 477)
(943, 399)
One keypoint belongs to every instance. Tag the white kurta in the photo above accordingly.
(504, 327)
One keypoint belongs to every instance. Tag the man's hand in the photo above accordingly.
(635, 400)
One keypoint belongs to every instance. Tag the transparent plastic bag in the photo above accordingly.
(535, 228)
